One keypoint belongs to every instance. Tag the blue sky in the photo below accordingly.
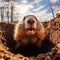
(39, 8)
(36, 7)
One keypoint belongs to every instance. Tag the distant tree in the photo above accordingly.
(2, 13)
(7, 9)
(7, 12)
(12, 8)
(8, 15)
(52, 8)
(12, 12)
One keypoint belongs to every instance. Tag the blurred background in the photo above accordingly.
(15, 10)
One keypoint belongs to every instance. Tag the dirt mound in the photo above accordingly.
(7, 42)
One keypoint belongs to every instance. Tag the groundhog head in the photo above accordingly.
(30, 24)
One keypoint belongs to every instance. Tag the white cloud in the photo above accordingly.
(37, 1)
(46, 17)
(23, 8)
(41, 13)
(24, 1)
(1, 4)
(42, 16)
(37, 9)
(54, 1)
(32, 3)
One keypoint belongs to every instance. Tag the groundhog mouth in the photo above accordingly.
(31, 31)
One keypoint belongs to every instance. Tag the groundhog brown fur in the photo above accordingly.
(31, 31)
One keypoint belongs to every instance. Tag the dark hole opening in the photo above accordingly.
(28, 51)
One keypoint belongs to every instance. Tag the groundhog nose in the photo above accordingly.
(30, 21)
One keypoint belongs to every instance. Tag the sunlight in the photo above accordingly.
(23, 9)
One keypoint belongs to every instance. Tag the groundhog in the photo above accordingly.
(31, 31)
(30, 37)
